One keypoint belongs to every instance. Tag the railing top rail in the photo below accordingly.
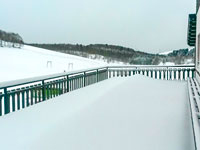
(19, 82)
(152, 66)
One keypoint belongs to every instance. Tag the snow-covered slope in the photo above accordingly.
(165, 53)
(31, 61)
(133, 113)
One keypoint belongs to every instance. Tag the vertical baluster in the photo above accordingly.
(183, 70)
(143, 71)
(39, 92)
(163, 71)
(188, 73)
(27, 96)
(118, 73)
(193, 71)
(54, 88)
(57, 88)
(31, 90)
(78, 81)
(156, 76)
(72, 83)
(75, 82)
(179, 74)
(70, 86)
(65, 88)
(62, 86)
(23, 97)
(152, 72)
(1, 109)
(133, 72)
(84, 79)
(43, 91)
(13, 100)
(51, 89)
(160, 74)
(47, 90)
(109, 71)
(67, 83)
(147, 72)
(129, 72)
(175, 76)
(125, 71)
(170, 74)
(6, 101)
(35, 92)
(113, 73)
(81, 81)
(18, 99)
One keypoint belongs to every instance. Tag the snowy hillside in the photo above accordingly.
(30, 61)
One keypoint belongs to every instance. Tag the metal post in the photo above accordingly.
(6, 101)
(67, 83)
(97, 75)
(43, 91)
(84, 79)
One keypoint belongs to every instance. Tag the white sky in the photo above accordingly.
(145, 25)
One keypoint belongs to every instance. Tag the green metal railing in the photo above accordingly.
(157, 72)
(16, 95)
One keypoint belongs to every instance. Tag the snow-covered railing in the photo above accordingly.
(194, 93)
(157, 72)
(16, 95)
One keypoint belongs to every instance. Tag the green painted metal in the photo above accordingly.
(31, 88)
(179, 74)
(1, 97)
(18, 99)
(6, 101)
(43, 91)
(23, 97)
(13, 99)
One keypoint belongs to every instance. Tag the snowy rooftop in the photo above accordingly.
(116, 114)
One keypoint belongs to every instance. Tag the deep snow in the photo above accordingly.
(116, 114)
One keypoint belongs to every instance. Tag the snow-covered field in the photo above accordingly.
(31, 61)
(133, 113)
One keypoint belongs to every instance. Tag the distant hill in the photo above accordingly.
(118, 53)
(10, 39)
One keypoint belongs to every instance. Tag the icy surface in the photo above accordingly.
(31, 62)
(117, 114)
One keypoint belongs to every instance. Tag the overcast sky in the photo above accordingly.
(145, 25)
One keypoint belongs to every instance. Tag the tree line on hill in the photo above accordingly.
(9, 39)
(112, 53)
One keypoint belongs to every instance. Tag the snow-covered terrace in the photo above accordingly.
(134, 107)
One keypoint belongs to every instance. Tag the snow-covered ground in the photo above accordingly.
(31, 61)
(133, 113)
(166, 53)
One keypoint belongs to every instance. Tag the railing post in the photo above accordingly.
(6, 102)
(107, 73)
(84, 79)
(67, 83)
(1, 104)
(167, 73)
(193, 72)
(43, 91)
(23, 97)
(97, 75)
